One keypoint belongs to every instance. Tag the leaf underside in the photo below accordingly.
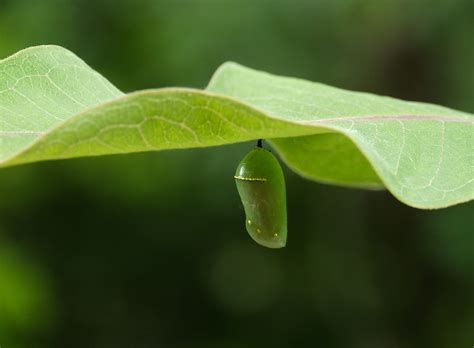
(54, 106)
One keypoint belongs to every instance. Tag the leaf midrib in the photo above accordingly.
(441, 118)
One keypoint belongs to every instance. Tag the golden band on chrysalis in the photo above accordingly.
(249, 179)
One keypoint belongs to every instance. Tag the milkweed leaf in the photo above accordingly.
(54, 106)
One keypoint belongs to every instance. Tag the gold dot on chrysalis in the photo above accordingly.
(275, 234)
(249, 222)
(258, 230)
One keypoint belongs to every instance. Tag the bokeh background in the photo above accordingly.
(150, 250)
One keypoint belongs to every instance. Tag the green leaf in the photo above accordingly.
(53, 106)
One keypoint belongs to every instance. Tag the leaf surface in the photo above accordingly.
(54, 106)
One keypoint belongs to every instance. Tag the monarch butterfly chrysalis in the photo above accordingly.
(261, 187)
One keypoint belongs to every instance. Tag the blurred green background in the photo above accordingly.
(150, 250)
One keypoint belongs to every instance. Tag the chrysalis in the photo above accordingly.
(261, 187)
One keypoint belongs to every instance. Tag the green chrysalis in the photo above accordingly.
(261, 187)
